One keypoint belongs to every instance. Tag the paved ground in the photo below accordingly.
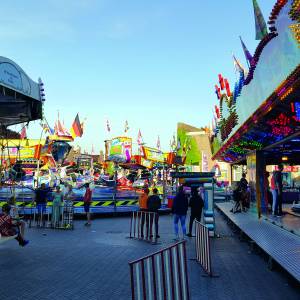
(92, 263)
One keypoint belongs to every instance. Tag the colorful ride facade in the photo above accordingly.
(258, 123)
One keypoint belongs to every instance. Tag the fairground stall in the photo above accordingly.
(258, 121)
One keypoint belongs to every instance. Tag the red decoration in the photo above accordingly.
(227, 86)
(217, 111)
(221, 81)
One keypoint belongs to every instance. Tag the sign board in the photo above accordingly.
(120, 149)
(146, 163)
(204, 162)
(15, 153)
(192, 174)
(154, 154)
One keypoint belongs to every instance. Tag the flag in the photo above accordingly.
(237, 65)
(126, 127)
(58, 128)
(173, 143)
(107, 126)
(158, 143)
(246, 52)
(260, 23)
(76, 129)
(139, 138)
(47, 128)
(178, 145)
(65, 130)
(23, 133)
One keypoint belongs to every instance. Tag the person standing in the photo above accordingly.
(154, 204)
(274, 194)
(143, 208)
(196, 203)
(68, 207)
(41, 197)
(179, 209)
(87, 199)
(240, 194)
(56, 206)
(278, 187)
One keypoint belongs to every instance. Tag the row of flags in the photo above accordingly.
(126, 126)
(139, 136)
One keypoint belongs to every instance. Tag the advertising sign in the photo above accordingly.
(15, 153)
(204, 162)
(120, 149)
(146, 163)
(153, 154)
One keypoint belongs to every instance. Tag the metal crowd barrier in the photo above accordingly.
(43, 218)
(162, 275)
(203, 255)
(143, 226)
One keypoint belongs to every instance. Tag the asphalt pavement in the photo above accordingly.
(92, 263)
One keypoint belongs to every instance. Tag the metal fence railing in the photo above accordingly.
(203, 254)
(144, 226)
(162, 275)
(61, 218)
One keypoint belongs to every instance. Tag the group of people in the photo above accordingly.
(273, 195)
(11, 224)
(61, 197)
(152, 204)
(180, 206)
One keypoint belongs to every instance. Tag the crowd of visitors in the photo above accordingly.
(180, 207)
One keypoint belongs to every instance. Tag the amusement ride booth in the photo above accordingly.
(258, 122)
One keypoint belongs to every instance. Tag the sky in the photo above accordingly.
(152, 63)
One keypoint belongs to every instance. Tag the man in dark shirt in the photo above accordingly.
(196, 204)
(154, 204)
(41, 198)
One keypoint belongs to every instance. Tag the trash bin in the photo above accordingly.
(170, 201)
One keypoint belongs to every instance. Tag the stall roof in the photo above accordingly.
(20, 97)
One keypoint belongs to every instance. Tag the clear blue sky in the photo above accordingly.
(154, 63)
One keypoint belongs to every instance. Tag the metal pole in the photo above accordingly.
(115, 186)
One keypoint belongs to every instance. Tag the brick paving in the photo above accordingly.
(92, 263)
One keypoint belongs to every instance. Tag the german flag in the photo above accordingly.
(76, 129)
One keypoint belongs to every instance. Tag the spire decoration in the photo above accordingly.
(260, 23)
(248, 56)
